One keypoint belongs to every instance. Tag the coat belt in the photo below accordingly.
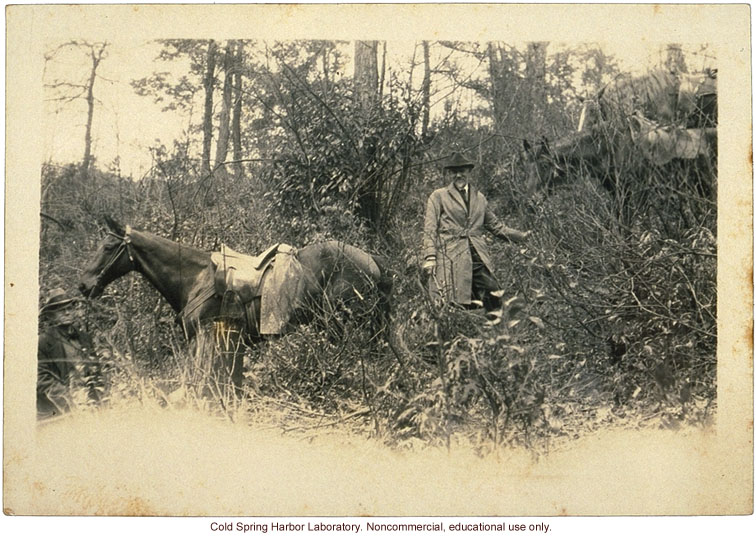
(463, 234)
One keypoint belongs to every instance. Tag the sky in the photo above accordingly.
(126, 125)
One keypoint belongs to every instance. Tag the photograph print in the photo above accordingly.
(277, 263)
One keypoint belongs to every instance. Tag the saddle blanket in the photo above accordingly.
(274, 276)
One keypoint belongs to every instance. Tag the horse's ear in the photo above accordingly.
(114, 226)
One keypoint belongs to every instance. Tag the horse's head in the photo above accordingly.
(540, 166)
(552, 164)
(112, 260)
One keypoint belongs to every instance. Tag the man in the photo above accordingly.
(62, 346)
(455, 252)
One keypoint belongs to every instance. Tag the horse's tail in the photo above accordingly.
(385, 282)
(385, 285)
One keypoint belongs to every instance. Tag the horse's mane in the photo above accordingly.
(167, 242)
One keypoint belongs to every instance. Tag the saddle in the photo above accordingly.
(243, 275)
(240, 273)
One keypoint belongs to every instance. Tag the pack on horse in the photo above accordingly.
(686, 100)
(197, 284)
(634, 122)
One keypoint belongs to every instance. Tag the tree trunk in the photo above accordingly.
(97, 53)
(383, 73)
(494, 72)
(207, 121)
(325, 57)
(86, 162)
(426, 91)
(221, 149)
(236, 120)
(366, 93)
(508, 121)
(535, 79)
(366, 73)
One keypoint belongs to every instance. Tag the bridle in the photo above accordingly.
(125, 244)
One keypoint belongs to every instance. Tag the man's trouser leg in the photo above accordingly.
(484, 283)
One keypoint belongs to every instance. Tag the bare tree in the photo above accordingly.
(68, 91)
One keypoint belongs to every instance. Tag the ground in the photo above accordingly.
(143, 460)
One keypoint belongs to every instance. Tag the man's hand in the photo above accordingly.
(519, 236)
(429, 267)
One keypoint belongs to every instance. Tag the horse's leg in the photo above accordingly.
(230, 359)
(382, 328)
(201, 371)
(382, 323)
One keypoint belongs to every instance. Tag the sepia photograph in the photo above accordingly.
(355, 261)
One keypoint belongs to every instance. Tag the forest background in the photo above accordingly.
(301, 141)
(602, 472)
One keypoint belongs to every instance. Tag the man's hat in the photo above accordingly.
(57, 299)
(457, 161)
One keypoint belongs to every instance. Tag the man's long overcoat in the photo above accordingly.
(450, 231)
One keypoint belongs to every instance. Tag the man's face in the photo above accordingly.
(460, 176)
(65, 316)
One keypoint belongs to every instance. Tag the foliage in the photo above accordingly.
(175, 92)
(334, 162)
(604, 326)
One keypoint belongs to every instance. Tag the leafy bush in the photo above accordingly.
(615, 324)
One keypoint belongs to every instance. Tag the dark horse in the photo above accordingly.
(333, 274)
